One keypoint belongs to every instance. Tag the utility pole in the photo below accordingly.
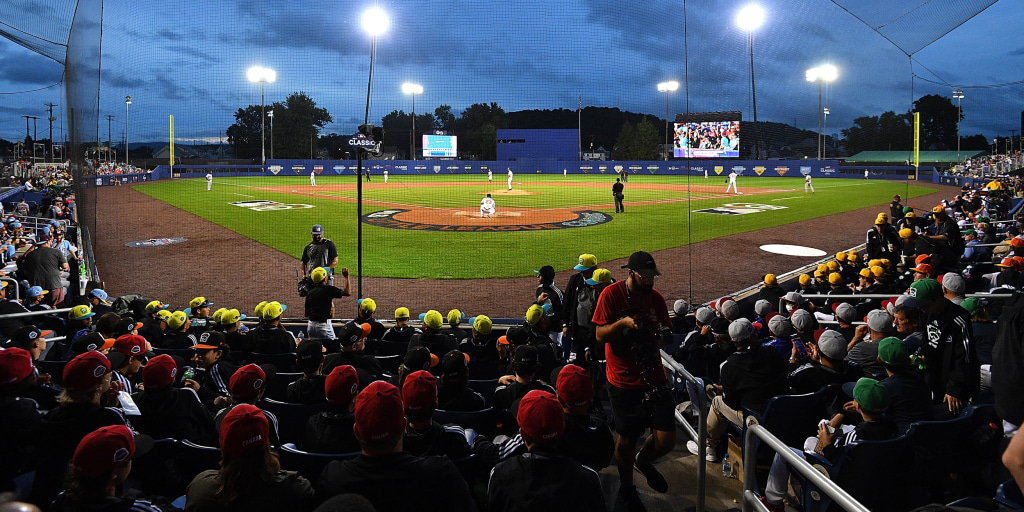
(109, 140)
(26, 127)
(51, 119)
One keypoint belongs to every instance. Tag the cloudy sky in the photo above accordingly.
(188, 58)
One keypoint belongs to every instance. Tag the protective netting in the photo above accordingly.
(42, 27)
(911, 26)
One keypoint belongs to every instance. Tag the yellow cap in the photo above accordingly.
(432, 319)
(454, 317)
(882, 219)
(769, 279)
(833, 266)
(905, 233)
(885, 262)
(874, 263)
(258, 310)
(177, 319)
(401, 313)
(852, 254)
(482, 324)
(273, 310)
(835, 278)
(367, 305)
(586, 262)
(877, 271)
(841, 256)
(318, 275)
(865, 272)
(910, 215)
(805, 279)
(534, 313)
(819, 273)
(938, 209)
(163, 314)
(823, 267)
(216, 316)
(155, 306)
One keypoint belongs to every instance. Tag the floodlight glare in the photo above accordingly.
(750, 17)
(261, 74)
(669, 86)
(411, 88)
(375, 21)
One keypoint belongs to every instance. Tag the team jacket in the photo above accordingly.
(950, 357)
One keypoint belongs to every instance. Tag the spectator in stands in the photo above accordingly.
(587, 438)
(547, 288)
(8, 326)
(383, 467)
(235, 334)
(682, 321)
(366, 307)
(432, 337)
(417, 358)
(177, 336)
(542, 478)
(807, 285)
(511, 388)
(910, 399)
(330, 431)
(984, 329)
(212, 379)
(896, 209)
(585, 350)
(170, 412)
(424, 437)
(250, 476)
(79, 318)
(353, 343)
(915, 245)
(271, 337)
(215, 320)
(584, 268)
(952, 368)
(790, 303)
(154, 324)
(34, 297)
(883, 241)
(908, 323)
(479, 345)
(863, 348)
(827, 365)
(704, 352)
(515, 336)
(247, 386)
(538, 321)
(779, 334)
(100, 464)
(129, 353)
(402, 332)
(97, 301)
(973, 253)
(837, 286)
(908, 221)
(199, 316)
(750, 376)
(454, 320)
(845, 314)
(453, 393)
(947, 232)
(923, 271)
(770, 289)
(319, 304)
(804, 326)
(953, 287)
(21, 418)
(309, 389)
(1008, 275)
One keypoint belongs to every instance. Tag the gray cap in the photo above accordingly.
(846, 312)
(741, 330)
(730, 310)
(795, 297)
(954, 282)
(802, 320)
(832, 344)
(762, 307)
(879, 321)
(705, 315)
(780, 326)
(681, 307)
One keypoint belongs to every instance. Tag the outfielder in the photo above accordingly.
(510, 178)
(209, 181)
(490, 176)
(487, 207)
(312, 178)
(732, 183)
(385, 175)
(807, 184)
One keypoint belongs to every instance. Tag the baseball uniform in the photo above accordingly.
(486, 207)
(510, 179)
(209, 181)
(807, 184)
(312, 178)
(732, 183)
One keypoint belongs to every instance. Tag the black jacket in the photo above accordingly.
(543, 481)
(750, 377)
(330, 431)
(174, 413)
(390, 481)
(437, 439)
(950, 357)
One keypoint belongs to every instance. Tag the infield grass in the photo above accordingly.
(668, 221)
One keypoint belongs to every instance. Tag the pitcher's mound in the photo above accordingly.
(506, 192)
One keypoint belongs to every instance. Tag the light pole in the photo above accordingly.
(668, 88)
(271, 116)
(750, 18)
(824, 73)
(263, 76)
(127, 101)
(374, 22)
(959, 95)
(824, 131)
(413, 89)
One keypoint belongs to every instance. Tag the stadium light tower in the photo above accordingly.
(668, 88)
(824, 130)
(750, 18)
(823, 73)
(413, 89)
(270, 114)
(959, 95)
(375, 22)
(264, 76)
(127, 101)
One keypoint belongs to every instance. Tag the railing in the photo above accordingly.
(700, 435)
(751, 499)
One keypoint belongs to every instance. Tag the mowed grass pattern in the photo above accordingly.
(663, 223)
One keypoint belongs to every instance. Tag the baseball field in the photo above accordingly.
(429, 227)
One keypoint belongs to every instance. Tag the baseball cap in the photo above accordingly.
(923, 292)
(247, 381)
(844, 311)
(832, 266)
(481, 324)
(243, 428)
(199, 302)
(231, 316)
(938, 209)
(211, 340)
(832, 344)
(805, 279)
(154, 305)
(922, 258)
(730, 310)
(258, 310)
(877, 271)
(455, 362)
(906, 233)
(540, 416)
(547, 272)
(419, 392)
(910, 215)
(163, 314)
(841, 256)
(719, 326)
(882, 219)
(972, 305)
(159, 372)
(769, 279)
(586, 262)
(794, 297)
(879, 320)
(534, 313)
(132, 345)
(642, 263)
(15, 365)
(852, 254)
(419, 358)
(741, 330)
(865, 272)
(454, 317)
(308, 355)
(273, 310)
(36, 291)
(779, 325)
(100, 294)
(871, 395)
(93, 341)
(367, 305)
(704, 315)
(802, 320)
(1006, 263)
(924, 268)
(216, 316)
(106, 448)
(954, 282)
(680, 307)
(85, 371)
(574, 386)
(379, 412)
(432, 319)
(353, 332)
(177, 319)
(893, 352)
(401, 313)
(78, 312)
(318, 275)
(525, 357)
(26, 336)
(125, 326)
(600, 276)
(317, 230)
(515, 335)
(342, 385)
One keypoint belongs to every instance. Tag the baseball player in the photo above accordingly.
(487, 207)
(490, 176)
(385, 175)
(312, 178)
(807, 184)
(209, 181)
(510, 178)
(732, 183)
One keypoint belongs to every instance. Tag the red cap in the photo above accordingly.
(769, 316)
(922, 258)
(924, 268)
(419, 393)
(159, 372)
(15, 365)
(574, 386)
(540, 416)
(243, 428)
(819, 332)
(379, 412)
(102, 450)
(1018, 262)
(1006, 262)
(85, 371)
(342, 385)
(130, 345)
(247, 381)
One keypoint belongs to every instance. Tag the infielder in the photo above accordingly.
(807, 184)
(385, 175)
(732, 183)
(312, 178)
(487, 207)
(209, 181)
(510, 178)
(490, 176)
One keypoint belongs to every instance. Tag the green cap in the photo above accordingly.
(871, 395)
(970, 232)
(893, 352)
(922, 292)
(972, 305)
(907, 209)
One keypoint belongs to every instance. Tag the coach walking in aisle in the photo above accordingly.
(617, 194)
(321, 252)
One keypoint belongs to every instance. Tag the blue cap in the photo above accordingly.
(36, 291)
(99, 294)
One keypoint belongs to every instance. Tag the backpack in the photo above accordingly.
(585, 302)
(123, 304)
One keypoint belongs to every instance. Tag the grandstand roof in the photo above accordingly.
(902, 156)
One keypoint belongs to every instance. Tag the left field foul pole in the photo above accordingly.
(171, 128)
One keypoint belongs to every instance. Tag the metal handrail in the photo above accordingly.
(13, 285)
(891, 295)
(35, 313)
(751, 499)
(700, 435)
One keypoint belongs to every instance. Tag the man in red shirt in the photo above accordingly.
(632, 319)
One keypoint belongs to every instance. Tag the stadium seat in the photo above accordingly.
(277, 386)
(193, 459)
(184, 353)
(291, 418)
(54, 368)
(390, 364)
(392, 348)
(875, 473)
(1009, 495)
(485, 388)
(310, 465)
(482, 421)
(156, 472)
(792, 418)
(483, 370)
(283, 363)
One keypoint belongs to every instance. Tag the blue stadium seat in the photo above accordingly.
(483, 370)
(940, 449)
(193, 459)
(284, 363)
(485, 388)
(392, 348)
(1009, 495)
(481, 421)
(390, 364)
(875, 473)
(792, 418)
(310, 465)
(277, 386)
(291, 418)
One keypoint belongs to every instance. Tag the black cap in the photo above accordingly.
(517, 335)
(417, 358)
(25, 337)
(547, 272)
(212, 340)
(720, 326)
(455, 362)
(642, 263)
(526, 357)
(309, 350)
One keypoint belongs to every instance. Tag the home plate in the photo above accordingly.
(793, 250)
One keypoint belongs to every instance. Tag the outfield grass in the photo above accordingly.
(433, 254)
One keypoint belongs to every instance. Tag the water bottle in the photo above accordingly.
(726, 466)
